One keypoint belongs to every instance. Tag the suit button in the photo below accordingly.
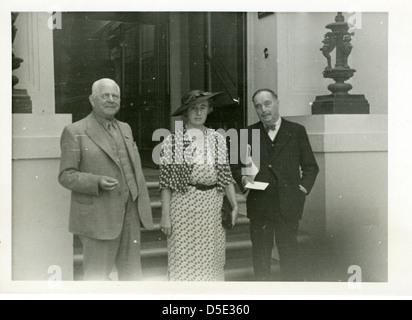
(270, 166)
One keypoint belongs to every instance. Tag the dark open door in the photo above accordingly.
(217, 42)
(132, 49)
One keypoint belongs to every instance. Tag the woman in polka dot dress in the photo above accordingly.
(194, 176)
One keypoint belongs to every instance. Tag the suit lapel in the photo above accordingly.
(264, 155)
(128, 141)
(96, 132)
(263, 145)
(282, 138)
(134, 157)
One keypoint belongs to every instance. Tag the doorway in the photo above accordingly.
(128, 47)
(133, 48)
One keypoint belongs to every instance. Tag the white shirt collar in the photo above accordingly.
(273, 133)
(278, 124)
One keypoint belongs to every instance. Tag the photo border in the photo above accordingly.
(400, 229)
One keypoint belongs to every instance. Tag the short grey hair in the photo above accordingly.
(97, 84)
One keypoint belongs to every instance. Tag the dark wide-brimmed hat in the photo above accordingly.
(192, 98)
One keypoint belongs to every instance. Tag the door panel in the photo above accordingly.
(218, 64)
(132, 49)
(145, 86)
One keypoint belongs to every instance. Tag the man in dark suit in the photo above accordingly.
(101, 165)
(288, 164)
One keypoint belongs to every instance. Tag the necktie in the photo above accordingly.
(112, 129)
(270, 127)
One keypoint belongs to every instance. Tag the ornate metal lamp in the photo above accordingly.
(340, 101)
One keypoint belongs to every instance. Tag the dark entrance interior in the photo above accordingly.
(130, 48)
(133, 48)
(217, 47)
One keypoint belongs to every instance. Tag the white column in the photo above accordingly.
(301, 62)
(34, 44)
(348, 206)
(42, 247)
(262, 72)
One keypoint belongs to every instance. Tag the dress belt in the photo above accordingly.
(202, 187)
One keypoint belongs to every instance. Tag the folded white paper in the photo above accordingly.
(257, 186)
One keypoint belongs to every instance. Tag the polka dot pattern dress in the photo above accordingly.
(197, 244)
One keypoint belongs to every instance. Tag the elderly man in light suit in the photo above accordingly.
(101, 165)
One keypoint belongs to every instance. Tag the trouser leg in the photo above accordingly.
(262, 235)
(128, 260)
(286, 234)
(99, 258)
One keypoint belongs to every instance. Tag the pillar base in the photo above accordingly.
(341, 104)
(349, 201)
(42, 247)
(21, 102)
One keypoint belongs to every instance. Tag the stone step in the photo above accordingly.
(157, 215)
(161, 261)
(239, 265)
(157, 236)
(242, 221)
(157, 207)
(158, 249)
(242, 270)
(153, 188)
(155, 198)
(153, 184)
(157, 204)
(235, 270)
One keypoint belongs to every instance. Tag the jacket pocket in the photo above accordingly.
(292, 198)
(83, 198)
